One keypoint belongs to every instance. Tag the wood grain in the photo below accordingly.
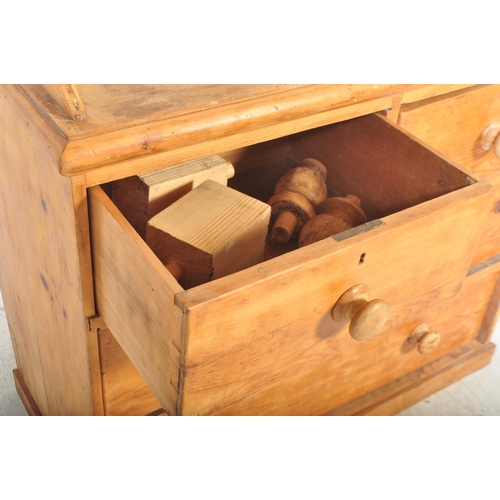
(489, 243)
(229, 142)
(133, 123)
(259, 341)
(25, 395)
(491, 315)
(42, 268)
(141, 197)
(342, 379)
(124, 391)
(135, 298)
(67, 97)
(264, 344)
(370, 151)
(406, 391)
(454, 125)
(211, 232)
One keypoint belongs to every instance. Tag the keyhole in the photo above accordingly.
(362, 259)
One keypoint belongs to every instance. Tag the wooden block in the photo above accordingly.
(211, 232)
(143, 196)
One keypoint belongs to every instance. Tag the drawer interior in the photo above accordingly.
(368, 156)
(386, 168)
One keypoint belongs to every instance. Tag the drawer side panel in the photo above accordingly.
(135, 298)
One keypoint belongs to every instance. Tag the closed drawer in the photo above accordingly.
(453, 125)
(207, 347)
(331, 386)
(489, 243)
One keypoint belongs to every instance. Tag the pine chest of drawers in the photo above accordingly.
(100, 326)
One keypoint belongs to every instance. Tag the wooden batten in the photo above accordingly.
(67, 97)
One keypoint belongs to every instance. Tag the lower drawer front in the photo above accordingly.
(453, 125)
(489, 243)
(375, 362)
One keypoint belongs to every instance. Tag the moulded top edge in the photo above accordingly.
(124, 122)
(130, 121)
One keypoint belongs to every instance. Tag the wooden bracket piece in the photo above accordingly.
(393, 113)
(68, 99)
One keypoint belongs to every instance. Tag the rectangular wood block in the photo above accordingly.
(143, 196)
(211, 232)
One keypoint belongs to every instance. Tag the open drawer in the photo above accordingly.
(207, 347)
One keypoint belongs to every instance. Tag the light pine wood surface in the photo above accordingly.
(169, 333)
(474, 395)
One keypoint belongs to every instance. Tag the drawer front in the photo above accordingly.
(489, 243)
(204, 348)
(453, 125)
(377, 361)
(255, 335)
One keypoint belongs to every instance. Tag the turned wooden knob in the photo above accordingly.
(425, 340)
(490, 138)
(296, 196)
(367, 317)
(333, 216)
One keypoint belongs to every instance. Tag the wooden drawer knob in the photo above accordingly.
(490, 137)
(425, 340)
(367, 317)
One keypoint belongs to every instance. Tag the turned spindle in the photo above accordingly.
(333, 216)
(296, 196)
